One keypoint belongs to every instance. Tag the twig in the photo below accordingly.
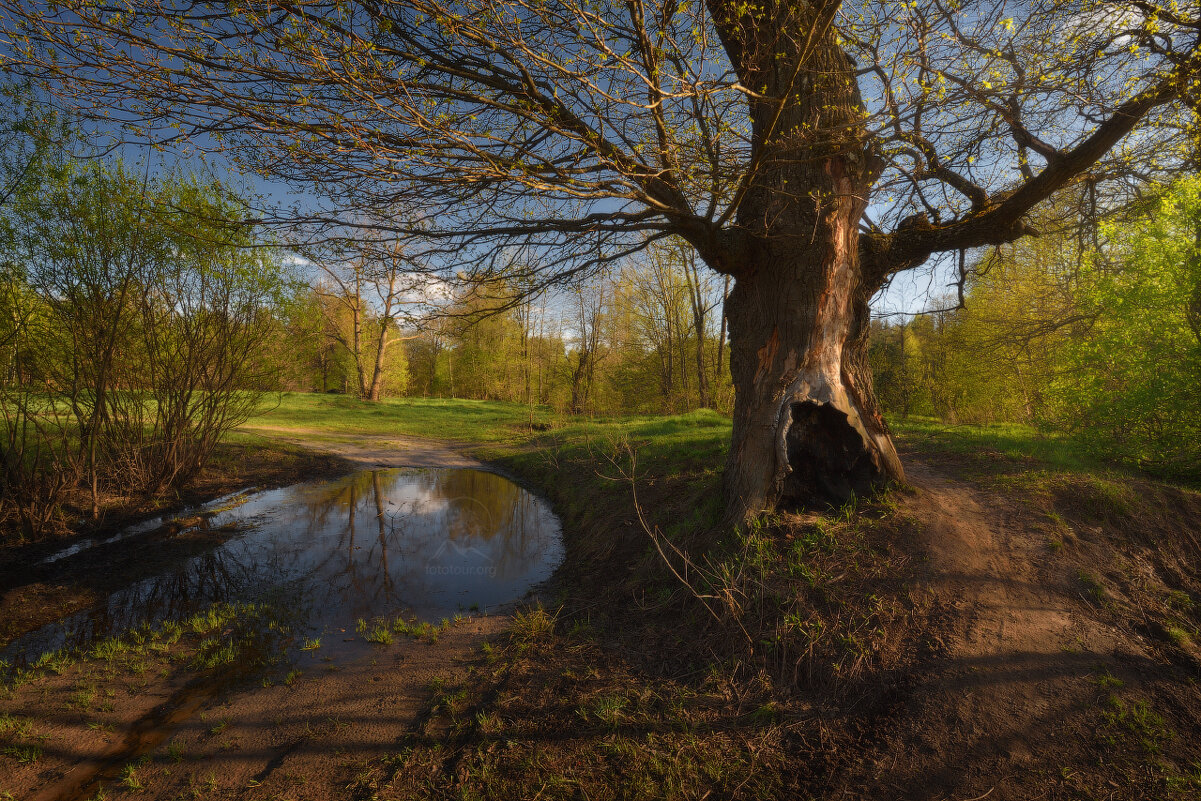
(658, 540)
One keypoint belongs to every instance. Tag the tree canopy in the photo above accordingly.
(525, 122)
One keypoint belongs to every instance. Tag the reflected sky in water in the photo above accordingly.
(425, 543)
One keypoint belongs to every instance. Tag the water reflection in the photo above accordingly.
(381, 542)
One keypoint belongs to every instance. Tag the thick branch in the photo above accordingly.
(916, 239)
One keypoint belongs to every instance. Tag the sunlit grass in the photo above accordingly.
(467, 420)
(669, 441)
(1017, 441)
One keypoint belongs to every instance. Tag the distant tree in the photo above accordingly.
(586, 317)
(307, 357)
(759, 132)
(660, 303)
(368, 301)
(423, 353)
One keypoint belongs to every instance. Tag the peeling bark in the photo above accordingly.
(807, 429)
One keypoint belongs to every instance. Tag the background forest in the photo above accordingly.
(1094, 332)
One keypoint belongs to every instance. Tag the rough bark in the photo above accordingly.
(807, 429)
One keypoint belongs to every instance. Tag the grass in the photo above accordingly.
(16, 726)
(1093, 586)
(420, 630)
(1013, 441)
(380, 635)
(131, 780)
(241, 639)
(674, 439)
(1137, 720)
(532, 624)
(1179, 636)
(466, 420)
(668, 442)
(24, 754)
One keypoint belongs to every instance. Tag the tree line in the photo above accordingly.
(1094, 331)
(647, 335)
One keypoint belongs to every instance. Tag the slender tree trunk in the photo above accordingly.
(700, 312)
(682, 338)
(904, 375)
(806, 425)
(721, 337)
(526, 370)
(375, 393)
(435, 349)
(359, 368)
(578, 398)
(702, 380)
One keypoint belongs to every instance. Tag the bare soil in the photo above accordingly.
(162, 733)
(1046, 684)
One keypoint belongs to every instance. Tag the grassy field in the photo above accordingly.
(668, 441)
(1015, 441)
(464, 420)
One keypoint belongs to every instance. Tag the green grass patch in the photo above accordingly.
(466, 420)
(993, 441)
(24, 754)
(1137, 720)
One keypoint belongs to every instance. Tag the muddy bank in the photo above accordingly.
(43, 581)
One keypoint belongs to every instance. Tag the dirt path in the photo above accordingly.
(1022, 653)
(389, 450)
(308, 735)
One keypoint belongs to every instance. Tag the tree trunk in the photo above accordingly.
(579, 397)
(806, 426)
(721, 336)
(376, 391)
(807, 430)
(360, 369)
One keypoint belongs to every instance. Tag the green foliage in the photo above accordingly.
(1100, 346)
(132, 317)
(1130, 388)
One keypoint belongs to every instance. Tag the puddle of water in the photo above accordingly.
(423, 543)
(205, 511)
